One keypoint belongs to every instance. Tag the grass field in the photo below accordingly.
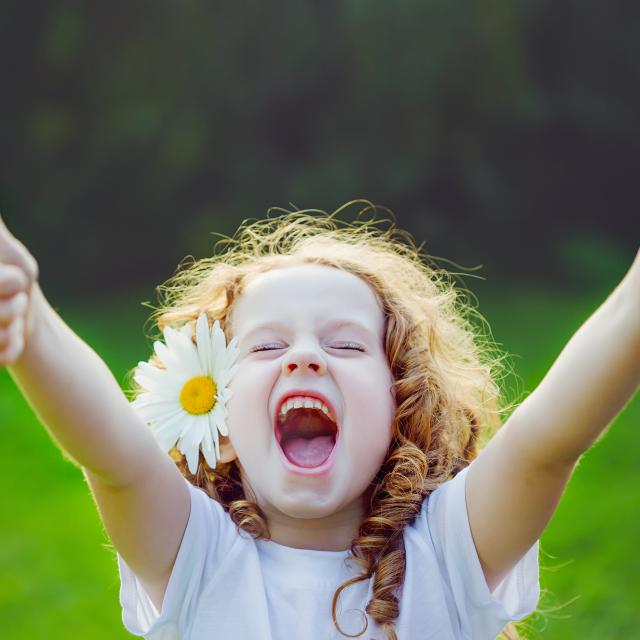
(58, 578)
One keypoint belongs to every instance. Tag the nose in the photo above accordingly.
(304, 358)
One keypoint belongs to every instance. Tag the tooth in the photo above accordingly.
(298, 402)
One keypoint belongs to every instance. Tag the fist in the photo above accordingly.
(18, 274)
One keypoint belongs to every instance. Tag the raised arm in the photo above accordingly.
(84, 410)
(515, 484)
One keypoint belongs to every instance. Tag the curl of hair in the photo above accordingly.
(445, 372)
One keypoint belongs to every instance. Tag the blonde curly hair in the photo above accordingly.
(445, 370)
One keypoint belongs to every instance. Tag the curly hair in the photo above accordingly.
(445, 371)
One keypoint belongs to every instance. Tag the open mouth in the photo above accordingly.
(306, 435)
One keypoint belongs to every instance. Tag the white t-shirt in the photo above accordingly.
(225, 585)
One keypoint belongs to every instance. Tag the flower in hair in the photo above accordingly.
(184, 403)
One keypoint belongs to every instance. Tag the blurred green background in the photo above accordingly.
(501, 134)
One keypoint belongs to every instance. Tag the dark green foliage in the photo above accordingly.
(130, 131)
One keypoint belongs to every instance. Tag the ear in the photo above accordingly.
(227, 452)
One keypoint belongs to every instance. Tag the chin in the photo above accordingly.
(305, 508)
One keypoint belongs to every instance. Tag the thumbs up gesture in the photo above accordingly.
(18, 277)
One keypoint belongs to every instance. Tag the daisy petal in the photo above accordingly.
(209, 448)
(182, 345)
(152, 378)
(153, 414)
(168, 431)
(218, 427)
(152, 400)
(172, 360)
(217, 347)
(225, 376)
(152, 375)
(168, 388)
(189, 442)
(219, 419)
(231, 354)
(204, 346)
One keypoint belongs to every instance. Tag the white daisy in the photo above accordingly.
(184, 404)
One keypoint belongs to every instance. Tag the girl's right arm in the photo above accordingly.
(142, 498)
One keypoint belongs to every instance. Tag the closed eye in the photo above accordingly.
(266, 347)
(350, 345)
(270, 347)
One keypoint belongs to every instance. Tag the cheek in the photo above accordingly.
(371, 410)
(372, 394)
(248, 405)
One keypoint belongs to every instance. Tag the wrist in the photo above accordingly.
(38, 308)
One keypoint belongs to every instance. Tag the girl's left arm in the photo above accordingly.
(515, 484)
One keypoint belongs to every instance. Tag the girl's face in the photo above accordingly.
(317, 329)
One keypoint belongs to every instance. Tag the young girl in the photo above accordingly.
(327, 406)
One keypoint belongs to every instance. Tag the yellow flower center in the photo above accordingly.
(198, 395)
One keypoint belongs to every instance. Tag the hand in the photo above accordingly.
(18, 277)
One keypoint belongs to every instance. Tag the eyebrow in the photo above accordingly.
(337, 324)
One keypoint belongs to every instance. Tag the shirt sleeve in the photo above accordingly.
(483, 614)
(139, 615)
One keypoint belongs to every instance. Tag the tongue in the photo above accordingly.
(308, 452)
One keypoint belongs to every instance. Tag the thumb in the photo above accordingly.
(13, 252)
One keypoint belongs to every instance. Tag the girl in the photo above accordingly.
(326, 405)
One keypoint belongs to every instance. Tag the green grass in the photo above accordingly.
(58, 579)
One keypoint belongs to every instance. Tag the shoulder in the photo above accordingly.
(443, 522)
(443, 513)
(208, 539)
(208, 520)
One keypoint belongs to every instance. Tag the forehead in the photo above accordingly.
(304, 294)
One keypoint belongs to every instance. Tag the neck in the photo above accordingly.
(334, 532)
(331, 533)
